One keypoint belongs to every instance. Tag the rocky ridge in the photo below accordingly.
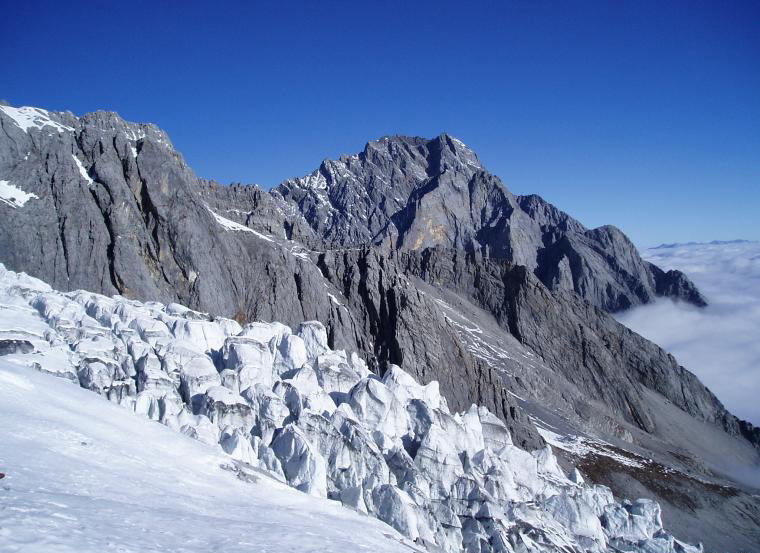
(415, 194)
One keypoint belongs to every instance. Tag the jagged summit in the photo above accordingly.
(442, 152)
(353, 200)
(39, 122)
(411, 193)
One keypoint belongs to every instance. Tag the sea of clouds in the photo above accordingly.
(719, 343)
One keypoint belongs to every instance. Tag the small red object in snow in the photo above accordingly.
(2, 475)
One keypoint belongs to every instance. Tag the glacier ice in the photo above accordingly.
(284, 402)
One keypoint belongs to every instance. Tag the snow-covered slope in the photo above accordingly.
(85, 475)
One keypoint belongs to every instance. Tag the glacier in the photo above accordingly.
(86, 476)
(267, 405)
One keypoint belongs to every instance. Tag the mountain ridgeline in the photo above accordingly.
(410, 252)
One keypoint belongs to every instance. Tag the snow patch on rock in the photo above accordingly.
(83, 171)
(232, 225)
(33, 118)
(13, 196)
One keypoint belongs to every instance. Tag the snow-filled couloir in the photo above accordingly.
(282, 404)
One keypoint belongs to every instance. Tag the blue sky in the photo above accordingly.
(643, 115)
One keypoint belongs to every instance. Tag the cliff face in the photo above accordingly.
(117, 210)
(413, 194)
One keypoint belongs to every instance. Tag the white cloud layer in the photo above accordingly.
(720, 343)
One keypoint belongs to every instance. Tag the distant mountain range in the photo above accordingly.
(712, 243)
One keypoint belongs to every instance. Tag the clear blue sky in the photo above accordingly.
(644, 115)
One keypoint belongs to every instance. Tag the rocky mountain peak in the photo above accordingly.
(412, 193)
(367, 197)
(33, 127)
(437, 155)
(110, 122)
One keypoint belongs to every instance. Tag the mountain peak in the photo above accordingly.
(96, 124)
(444, 146)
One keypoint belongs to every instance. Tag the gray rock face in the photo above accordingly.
(409, 253)
(413, 194)
(146, 227)
(8, 347)
(608, 362)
